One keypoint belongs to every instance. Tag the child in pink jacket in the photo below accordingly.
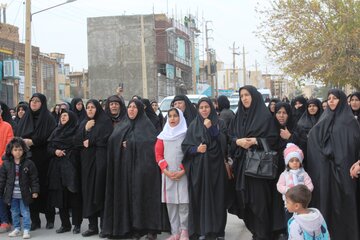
(293, 174)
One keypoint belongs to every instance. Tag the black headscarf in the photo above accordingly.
(275, 100)
(297, 113)
(37, 125)
(256, 121)
(81, 115)
(63, 135)
(223, 103)
(133, 180)
(122, 113)
(190, 110)
(24, 106)
(149, 111)
(307, 121)
(356, 112)
(289, 122)
(333, 147)
(6, 115)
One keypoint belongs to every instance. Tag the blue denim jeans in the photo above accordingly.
(18, 206)
(4, 218)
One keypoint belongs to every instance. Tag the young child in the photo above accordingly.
(19, 184)
(294, 173)
(174, 191)
(306, 223)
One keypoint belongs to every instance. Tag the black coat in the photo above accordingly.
(28, 180)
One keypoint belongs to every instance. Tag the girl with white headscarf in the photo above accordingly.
(174, 189)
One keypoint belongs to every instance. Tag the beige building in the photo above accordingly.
(46, 69)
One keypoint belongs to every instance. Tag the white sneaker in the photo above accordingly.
(16, 232)
(26, 234)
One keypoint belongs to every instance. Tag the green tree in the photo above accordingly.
(317, 39)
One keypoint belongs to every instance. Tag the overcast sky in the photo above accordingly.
(63, 29)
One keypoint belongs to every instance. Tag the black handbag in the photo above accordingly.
(261, 163)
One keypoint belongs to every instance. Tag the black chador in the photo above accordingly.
(37, 126)
(64, 171)
(93, 163)
(333, 147)
(206, 175)
(254, 196)
(133, 180)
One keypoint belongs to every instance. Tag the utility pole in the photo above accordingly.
(234, 53)
(244, 66)
(143, 60)
(208, 59)
(28, 80)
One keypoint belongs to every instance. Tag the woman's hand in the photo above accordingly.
(124, 144)
(86, 143)
(285, 134)
(207, 123)
(355, 169)
(28, 142)
(60, 153)
(201, 148)
(245, 142)
(89, 125)
(35, 195)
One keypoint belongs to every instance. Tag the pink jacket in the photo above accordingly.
(291, 178)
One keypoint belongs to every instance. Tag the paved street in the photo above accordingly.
(235, 229)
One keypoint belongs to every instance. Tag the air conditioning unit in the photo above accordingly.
(11, 68)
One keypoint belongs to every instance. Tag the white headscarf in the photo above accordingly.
(174, 133)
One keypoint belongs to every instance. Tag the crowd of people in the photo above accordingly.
(132, 172)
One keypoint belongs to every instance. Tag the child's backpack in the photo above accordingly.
(324, 235)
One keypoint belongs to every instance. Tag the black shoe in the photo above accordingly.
(90, 232)
(103, 235)
(76, 230)
(151, 236)
(49, 225)
(282, 236)
(63, 229)
(34, 226)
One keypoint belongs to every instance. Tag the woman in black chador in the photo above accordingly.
(150, 113)
(309, 118)
(204, 147)
(77, 106)
(333, 147)
(298, 105)
(254, 196)
(183, 103)
(286, 134)
(355, 105)
(35, 128)
(64, 172)
(133, 180)
(94, 133)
